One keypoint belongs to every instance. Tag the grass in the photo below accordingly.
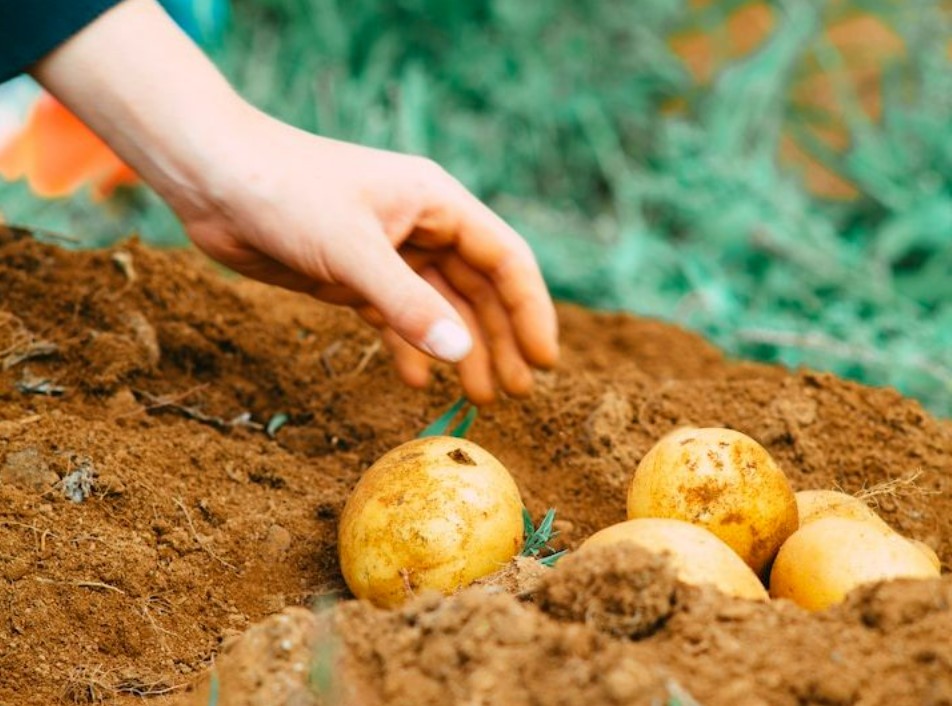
(443, 425)
(640, 188)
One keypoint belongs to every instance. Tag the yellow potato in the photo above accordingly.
(437, 512)
(698, 557)
(723, 481)
(829, 557)
(929, 552)
(816, 504)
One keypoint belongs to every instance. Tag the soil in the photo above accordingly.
(176, 446)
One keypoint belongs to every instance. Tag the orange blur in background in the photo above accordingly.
(865, 46)
(58, 155)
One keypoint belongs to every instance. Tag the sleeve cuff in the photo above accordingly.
(31, 30)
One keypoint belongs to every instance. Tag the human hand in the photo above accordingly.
(392, 235)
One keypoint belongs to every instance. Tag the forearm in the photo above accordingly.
(140, 83)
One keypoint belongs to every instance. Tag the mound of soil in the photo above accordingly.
(176, 446)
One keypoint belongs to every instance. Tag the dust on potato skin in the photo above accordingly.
(432, 513)
(721, 480)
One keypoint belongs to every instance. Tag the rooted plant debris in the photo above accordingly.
(194, 537)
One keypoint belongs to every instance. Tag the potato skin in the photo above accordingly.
(929, 552)
(722, 480)
(828, 558)
(697, 556)
(814, 505)
(433, 513)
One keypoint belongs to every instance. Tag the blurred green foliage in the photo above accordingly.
(557, 114)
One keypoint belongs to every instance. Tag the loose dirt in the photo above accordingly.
(176, 446)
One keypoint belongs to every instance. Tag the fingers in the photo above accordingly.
(413, 366)
(510, 367)
(476, 369)
(491, 247)
(495, 361)
(409, 305)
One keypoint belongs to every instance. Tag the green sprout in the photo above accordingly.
(441, 425)
(537, 538)
(678, 695)
(276, 422)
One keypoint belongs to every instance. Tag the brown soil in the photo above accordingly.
(144, 382)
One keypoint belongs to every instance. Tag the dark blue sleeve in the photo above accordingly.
(30, 29)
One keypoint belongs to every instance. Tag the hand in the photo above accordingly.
(392, 235)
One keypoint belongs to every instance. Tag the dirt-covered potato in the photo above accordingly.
(697, 556)
(828, 558)
(814, 505)
(433, 513)
(722, 480)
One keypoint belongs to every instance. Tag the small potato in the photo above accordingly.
(828, 558)
(433, 513)
(722, 480)
(816, 504)
(698, 557)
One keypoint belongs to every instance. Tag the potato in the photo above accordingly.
(929, 552)
(434, 513)
(829, 557)
(723, 481)
(698, 557)
(816, 504)
(813, 505)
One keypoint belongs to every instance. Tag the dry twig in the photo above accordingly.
(369, 352)
(170, 403)
(80, 584)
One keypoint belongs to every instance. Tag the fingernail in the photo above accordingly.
(447, 340)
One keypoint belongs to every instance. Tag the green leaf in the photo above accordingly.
(537, 538)
(441, 425)
(275, 423)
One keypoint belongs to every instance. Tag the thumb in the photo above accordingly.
(407, 303)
